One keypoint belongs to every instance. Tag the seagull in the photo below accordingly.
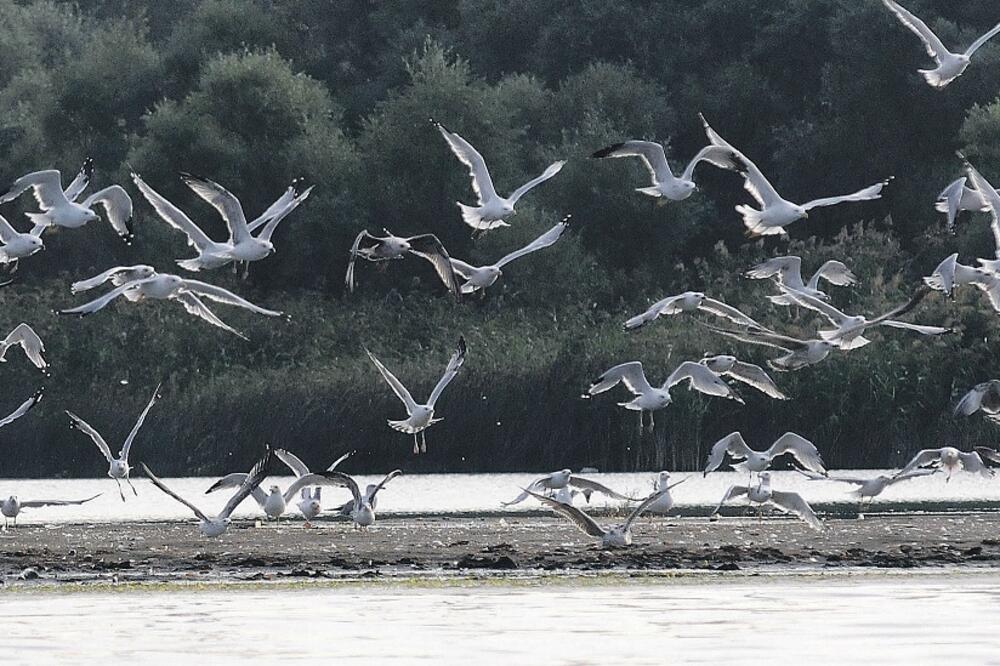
(798, 353)
(384, 248)
(992, 198)
(616, 536)
(665, 184)
(787, 271)
(481, 277)
(568, 495)
(870, 488)
(985, 397)
(17, 245)
(799, 447)
(165, 286)
(849, 329)
(242, 244)
(777, 213)
(491, 209)
(956, 198)
(748, 373)
(949, 459)
(118, 276)
(213, 527)
(949, 65)
(29, 341)
(950, 274)
(420, 417)
(689, 301)
(12, 506)
(362, 508)
(311, 502)
(60, 209)
(762, 494)
(23, 409)
(274, 502)
(649, 399)
(662, 486)
(118, 468)
(565, 478)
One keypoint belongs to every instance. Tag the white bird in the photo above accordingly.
(985, 397)
(763, 494)
(29, 341)
(748, 373)
(118, 275)
(616, 536)
(274, 502)
(662, 487)
(481, 277)
(665, 184)
(165, 286)
(311, 503)
(777, 213)
(384, 248)
(869, 488)
(949, 459)
(60, 209)
(787, 271)
(800, 448)
(242, 245)
(689, 301)
(992, 198)
(17, 245)
(565, 478)
(950, 274)
(420, 417)
(118, 467)
(491, 209)
(217, 525)
(361, 509)
(649, 399)
(798, 353)
(12, 506)
(949, 65)
(848, 331)
(568, 495)
(22, 409)
(957, 197)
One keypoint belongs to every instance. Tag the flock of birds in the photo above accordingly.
(251, 241)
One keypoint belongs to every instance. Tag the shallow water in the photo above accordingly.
(459, 493)
(915, 619)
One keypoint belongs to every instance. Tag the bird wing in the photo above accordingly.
(651, 154)
(235, 480)
(127, 446)
(701, 379)
(646, 503)
(22, 409)
(256, 476)
(630, 374)
(971, 462)
(973, 400)
(99, 303)
(396, 386)
(755, 376)
(87, 429)
(720, 309)
(225, 202)
(788, 269)
(7, 232)
(482, 184)
(598, 488)
(47, 187)
(834, 272)
(914, 473)
(836, 317)
(36, 503)
(932, 44)
(81, 181)
(101, 278)
(987, 453)
(915, 299)
(220, 295)
(951, 198)
(550, 171)
(982, 40)
(32, 345)
(334, 478)
(464, 270)
(388, 477)
(663, 306)
(583, 522)
(118, 206)
(159, 484)
(454, 363)
(355, 246)
(754, 181)
(543, 241)
(764, 338)
(924, 457)
(197, 307)
(733, 492)
(733, 444)
(427, 246)
(793, 503)
(312, 479)
(988, 194)
(173, 215)
(719, 156)
(864, 194)
(276, 208)
(918, 328)
(276, 216)
(336, 463)
(801, 448)
(293, 462)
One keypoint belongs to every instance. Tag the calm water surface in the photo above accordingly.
(913, 619)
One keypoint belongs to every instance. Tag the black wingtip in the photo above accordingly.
(462, 347)
(605, 152)
(37, 397)
(88, 167)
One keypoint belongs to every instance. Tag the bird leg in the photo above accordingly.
(641, 425)
(423, 442)
(416, 444)
(134, 491)
(650, 429)
(246, 269)
(120, 489)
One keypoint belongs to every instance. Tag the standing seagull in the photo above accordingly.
(665, 184)
(787, 271)
(384, 248)
(491, 209)
(689, 301)
(776, 213)
(949, 65)
(948, 458)
(60, 209)
(17, 245)
(757, 461)
(29, 341)
(213, 527)
(362, 508)
(662, 487)
(118, 468)
(420, 417)
(12, 506)
(616, 536)
(762, 494)
(985, 397)
(23, 409)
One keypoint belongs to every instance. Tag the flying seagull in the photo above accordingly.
(787, 271)
(797, 353)
(118, 276)
(868, 488)
(949, 459)
(216, 526)
(29, 341)
(958, 197)
(480, 277)
(689, 301)
(763, 494)
(950, 274)
(665, 184)
(60, 209)
(949, 65)
(748, 373)
(23, 409)
(384, 248)
(798, 447)
(361, 509)
(616, 536)
(118, 468)
(12, 506)
(563, 479)
(491, 209)
(17, 245)
(420, 417)
(776, 213)
(985, 397)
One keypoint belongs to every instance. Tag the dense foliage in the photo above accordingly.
(824, 95)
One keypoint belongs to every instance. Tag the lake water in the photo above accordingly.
(461, 493)
(939, 618)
